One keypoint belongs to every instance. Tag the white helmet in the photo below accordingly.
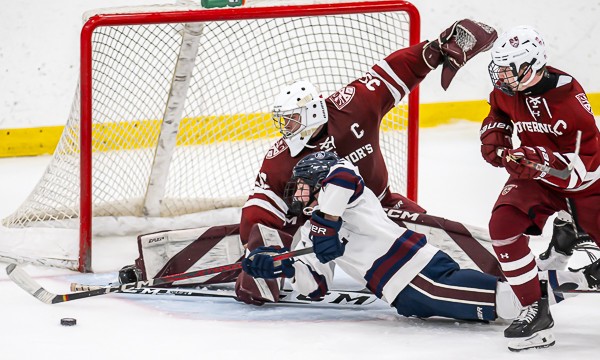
(298, 111)
(520, 48)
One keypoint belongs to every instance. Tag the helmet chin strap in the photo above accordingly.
(526, 83)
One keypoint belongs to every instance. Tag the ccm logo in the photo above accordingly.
(317, 230)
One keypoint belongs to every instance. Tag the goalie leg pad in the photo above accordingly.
(177, 251)
(258, 291)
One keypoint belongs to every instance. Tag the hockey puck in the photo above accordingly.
(68, 321)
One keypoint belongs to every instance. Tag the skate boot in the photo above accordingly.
(592, 274)
(130, 274)
(531, 329)
(564, 241)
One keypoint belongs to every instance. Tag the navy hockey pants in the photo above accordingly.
(442, 288)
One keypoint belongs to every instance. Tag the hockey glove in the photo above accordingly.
(259, 264)
(512, 161)
(494, 135)
(460, 42)
(324, 235)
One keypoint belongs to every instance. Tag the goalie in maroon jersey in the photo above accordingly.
(547, 108)
(346, 122)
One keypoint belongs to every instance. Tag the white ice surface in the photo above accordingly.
(454, 182)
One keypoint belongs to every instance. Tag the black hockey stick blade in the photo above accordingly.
(24, 281)
(571, 288)
(287, 296)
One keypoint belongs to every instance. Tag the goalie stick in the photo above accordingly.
(27, 283)
(561, 174)
(287, 296)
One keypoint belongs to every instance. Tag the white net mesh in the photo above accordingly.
(225, 128)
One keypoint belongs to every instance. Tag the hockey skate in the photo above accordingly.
(564, 241)
(592, 274)
(531, 329)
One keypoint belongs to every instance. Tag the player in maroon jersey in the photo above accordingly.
(346, 122)
(547, 108)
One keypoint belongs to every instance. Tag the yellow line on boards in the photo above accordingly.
(212, 129)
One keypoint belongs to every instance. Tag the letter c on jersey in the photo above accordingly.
(561, 123)
(358, 134)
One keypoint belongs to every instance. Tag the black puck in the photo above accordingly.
(68, 321)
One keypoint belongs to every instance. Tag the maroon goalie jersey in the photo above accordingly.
(352, 131)
(551, 120)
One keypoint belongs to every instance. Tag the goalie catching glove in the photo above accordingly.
(259, 263)
(457, 45)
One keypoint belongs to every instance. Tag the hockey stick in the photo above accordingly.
(23, 280)
(571, 288)
(561, 174)
(333, 297)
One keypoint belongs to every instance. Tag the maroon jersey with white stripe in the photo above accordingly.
(352, 131)
(551, 120)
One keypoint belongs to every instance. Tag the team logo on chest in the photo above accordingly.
(342, 97)
(583, 100)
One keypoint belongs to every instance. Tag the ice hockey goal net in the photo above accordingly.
(172, 115)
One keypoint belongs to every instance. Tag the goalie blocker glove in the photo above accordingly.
(259, 263)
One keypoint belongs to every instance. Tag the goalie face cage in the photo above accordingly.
(172, 116)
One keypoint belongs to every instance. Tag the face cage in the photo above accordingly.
(295, 205)
(509, 88)
(284, 121)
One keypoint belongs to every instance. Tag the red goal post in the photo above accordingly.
(110, 91)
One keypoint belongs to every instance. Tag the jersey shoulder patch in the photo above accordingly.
(583, 100)
(277, 148)
(342, 97)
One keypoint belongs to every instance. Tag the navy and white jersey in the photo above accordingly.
(379, 254)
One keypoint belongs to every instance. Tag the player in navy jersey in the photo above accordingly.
(349, 228)
(347, 122)
(548, 108)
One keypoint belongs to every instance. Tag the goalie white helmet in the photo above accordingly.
(298, 111)
(514, 54)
